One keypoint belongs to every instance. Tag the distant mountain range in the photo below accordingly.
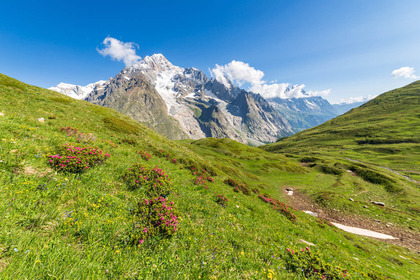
(183, 103)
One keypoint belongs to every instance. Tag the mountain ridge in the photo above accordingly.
(187, 92)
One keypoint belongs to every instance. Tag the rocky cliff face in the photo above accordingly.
(183, 103)
(137, 98)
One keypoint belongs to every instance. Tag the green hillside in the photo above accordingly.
(88, 193)
(384, 131)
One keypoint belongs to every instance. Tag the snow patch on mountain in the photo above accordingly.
(76, 91)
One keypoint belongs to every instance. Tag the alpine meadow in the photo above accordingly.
(215, 207)
(210, 140)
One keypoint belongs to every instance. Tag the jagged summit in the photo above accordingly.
(156, 62)
(198, 106)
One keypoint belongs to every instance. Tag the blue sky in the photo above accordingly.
(349, 47)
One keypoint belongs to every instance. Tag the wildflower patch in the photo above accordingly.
(129, 141)
(221, 199)
(153, 181)
(278, 206)
(78, 136)
(311, 265)
(154, 216)
(145, 155)
(75, 158)
(238, 187)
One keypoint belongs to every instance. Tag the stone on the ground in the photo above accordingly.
(364, 206)
(289, 189)
(41, 120)
(308, 243)
(1, 114)
(351, 199)
(378, 203)
(311, 213)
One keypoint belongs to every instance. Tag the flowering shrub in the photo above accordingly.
(221, 199)
(78, 136)
(154, 216)
(196, 168)
(144, 155)
(164, 154)
(238, 187)
(110, 143)
(199, 181)
(77, 159)
(130, 141)
(153, 181)
(310, 264)
(278, 206)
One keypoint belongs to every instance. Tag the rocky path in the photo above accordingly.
(354, 223)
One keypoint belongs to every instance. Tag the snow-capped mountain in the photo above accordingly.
(201, 107)
(75, 91)
(304, 113)
(183, 103)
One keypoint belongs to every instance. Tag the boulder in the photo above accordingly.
(378, 203)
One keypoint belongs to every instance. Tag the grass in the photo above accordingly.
(74, 226)
(376, 141)
(384, 130)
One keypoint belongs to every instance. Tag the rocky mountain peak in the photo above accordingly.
(156, 62)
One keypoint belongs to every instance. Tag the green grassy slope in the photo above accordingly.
(384, 131)
(56, 224)
(379, 142)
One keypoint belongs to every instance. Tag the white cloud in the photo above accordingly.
(355, 99)
(120, 51)
(239, 72)
(405, 72)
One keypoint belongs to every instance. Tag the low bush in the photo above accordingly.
(152, 181)
(144, 155)
(238, 187)
(129, 141)
(78, 136)
(308, 159)
(112, 144)
(197, 168)
(154, 216)
(76, 159)
(330, 170)
(221, 199)
(376, 178)
(310, 264)
(278, 206)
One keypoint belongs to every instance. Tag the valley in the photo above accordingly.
(230, 216)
